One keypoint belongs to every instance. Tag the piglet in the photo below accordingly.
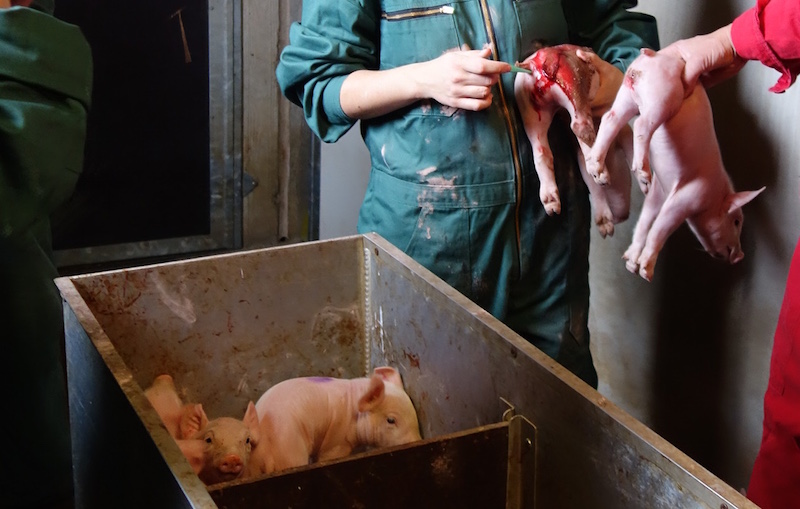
(175, 415)
(310, 419)
(218, 450)
(227, 445)
(675, 133)
(561, 80)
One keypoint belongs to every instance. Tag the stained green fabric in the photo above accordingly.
(43, 100)
(45, 88)
(443, 185)
(47, 6)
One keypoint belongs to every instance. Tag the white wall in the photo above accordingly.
(344, 172)
(688, 354)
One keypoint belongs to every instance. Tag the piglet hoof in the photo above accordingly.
(631, 256)
(605, 227)
(601, 176)
(552, 208)
(647, 268)
(645, 179)
(550, 200)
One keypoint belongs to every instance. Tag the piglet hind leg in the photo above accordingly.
(537, 122)
(669, 218)
(543, 160)
(651, 207)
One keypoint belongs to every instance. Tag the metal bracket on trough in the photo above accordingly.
(521, 485)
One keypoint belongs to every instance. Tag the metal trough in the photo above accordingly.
(227, 327)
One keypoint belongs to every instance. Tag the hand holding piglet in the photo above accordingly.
(674, 130)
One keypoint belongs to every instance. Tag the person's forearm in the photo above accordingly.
(459, 79)
(369, 94)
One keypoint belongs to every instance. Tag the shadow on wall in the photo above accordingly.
(696, 297)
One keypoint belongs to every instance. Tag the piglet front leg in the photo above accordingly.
(655, 104)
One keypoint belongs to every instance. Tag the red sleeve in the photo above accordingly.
(770, 33)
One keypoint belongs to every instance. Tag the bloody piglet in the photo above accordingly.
(561, 80)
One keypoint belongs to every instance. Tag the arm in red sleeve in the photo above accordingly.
(770, 33)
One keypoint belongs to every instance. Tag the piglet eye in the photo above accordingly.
(208, 440)
(391, 420)
(736, 222)
(247, 441)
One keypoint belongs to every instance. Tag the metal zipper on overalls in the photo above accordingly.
(510, 124)
(417, 13)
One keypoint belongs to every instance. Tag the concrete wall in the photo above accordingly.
(687, 354)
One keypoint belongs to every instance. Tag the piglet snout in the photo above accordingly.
(231, 464)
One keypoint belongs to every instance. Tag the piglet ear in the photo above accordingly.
(739, 200)
(374, 395)
(251, 421)
(193, 420)
(389, 374)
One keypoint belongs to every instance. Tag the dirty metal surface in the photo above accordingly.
(459, 363)
(460, 470)
(115, 461)
(227, 327)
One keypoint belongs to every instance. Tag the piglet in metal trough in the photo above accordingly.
(309, 419)
(675, 133)
(218, 449)
(175, 415)
(562, 78)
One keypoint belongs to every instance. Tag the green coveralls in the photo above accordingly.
(455, 189)
(45, 84)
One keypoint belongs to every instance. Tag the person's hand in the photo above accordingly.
(610, 81)
(461, 78)
(711, 58)
(5, 4)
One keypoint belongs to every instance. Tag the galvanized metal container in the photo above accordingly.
(227, 327)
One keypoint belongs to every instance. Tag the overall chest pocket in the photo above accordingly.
(541, 23)
(416, 31)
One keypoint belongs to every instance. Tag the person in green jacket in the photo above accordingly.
(45, 90)
(452, 181)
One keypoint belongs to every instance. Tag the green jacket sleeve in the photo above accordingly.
(45, 90)
(613, 32)
(332, 40)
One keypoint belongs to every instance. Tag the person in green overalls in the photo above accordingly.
(452, 181)
(45, 90)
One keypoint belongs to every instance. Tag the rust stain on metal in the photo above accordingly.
(442, 467)
(413, 359)
(338, 326)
